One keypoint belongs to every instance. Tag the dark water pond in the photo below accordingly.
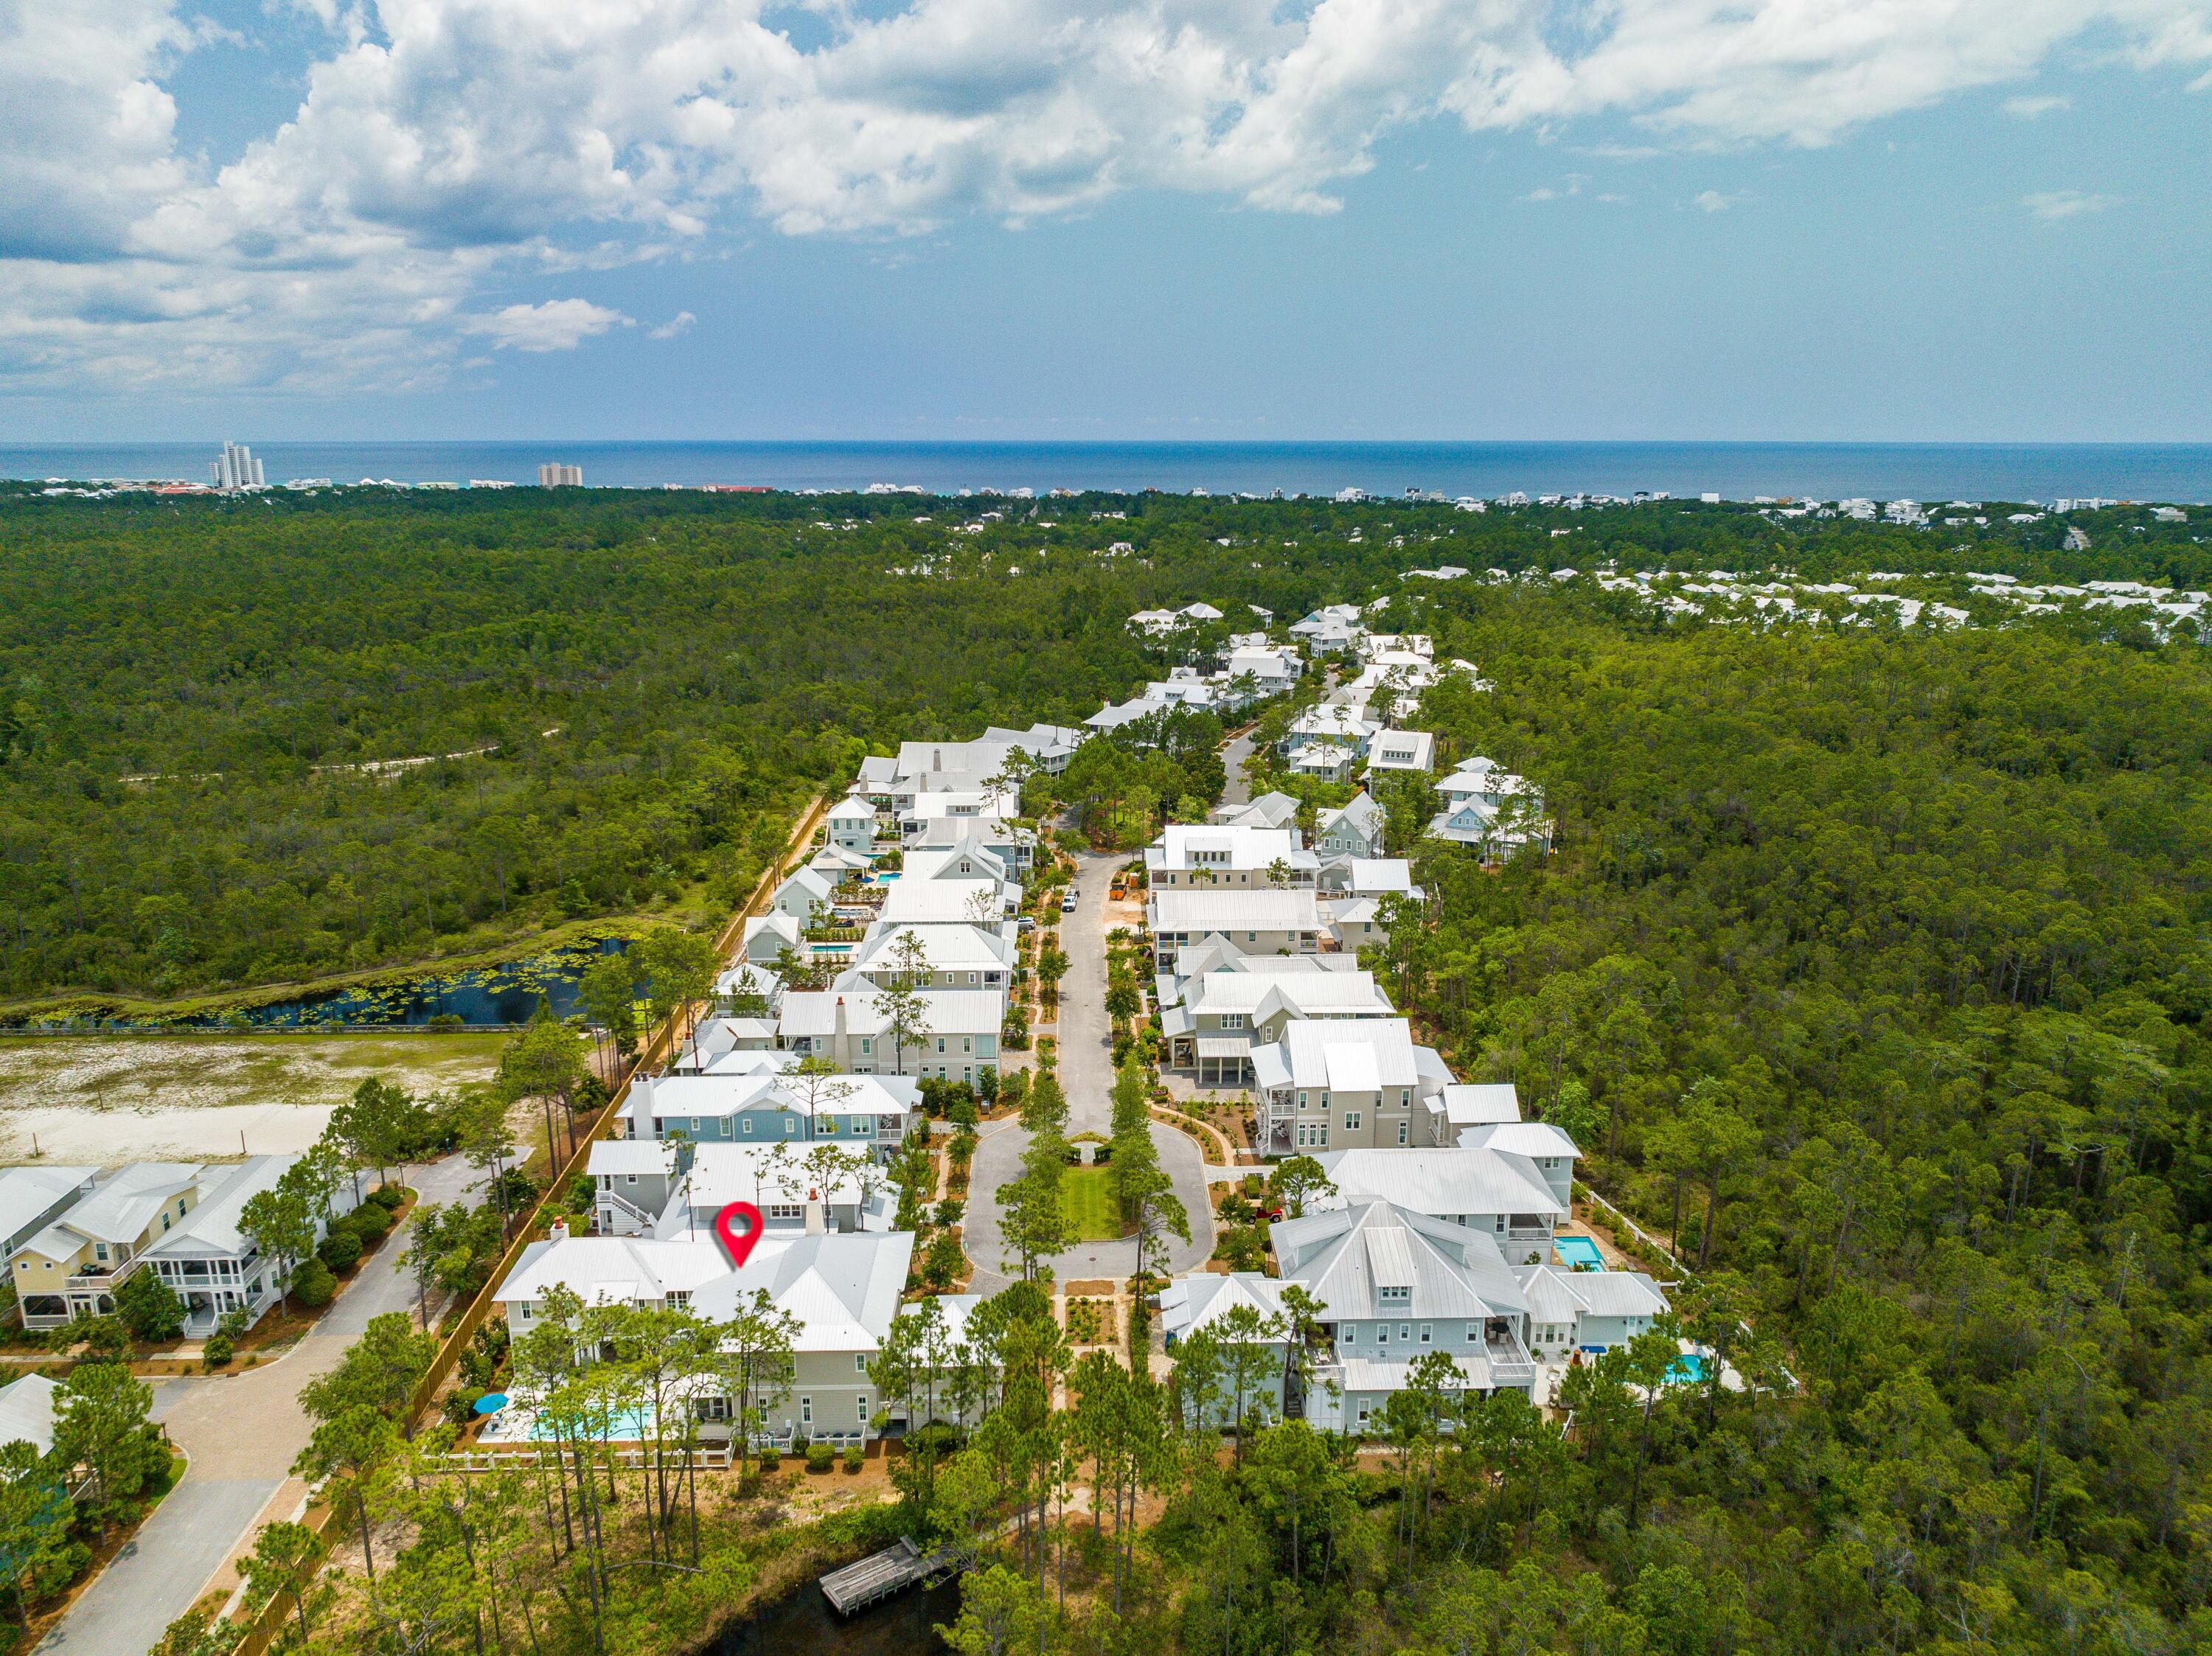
(805, 1625)
(480, 997)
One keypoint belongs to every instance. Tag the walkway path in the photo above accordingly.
(242, 1433)
(1086, 1074)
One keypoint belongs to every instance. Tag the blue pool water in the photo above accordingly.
(1688, 1369)
(1577, 1253)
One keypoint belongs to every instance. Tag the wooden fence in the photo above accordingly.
(660, 1045)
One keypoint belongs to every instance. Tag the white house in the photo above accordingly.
(1260, 921)
(1401, 750)
(207, 1257)
(805, 894)
(670, 1190)
(856, 1111)
(1217, 1019)
(957, 1039)
(1502, 1194)
(1210, 857)
(1269, 810)
(956, 956)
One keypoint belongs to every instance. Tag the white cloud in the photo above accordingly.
(558, 325)
(2052, 205)
(675, 327)
(444, 145)
(2028, 109)
(1713, 201)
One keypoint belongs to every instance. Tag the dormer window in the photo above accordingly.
(1402, 1294)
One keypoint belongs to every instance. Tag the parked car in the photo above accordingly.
(1067, 903)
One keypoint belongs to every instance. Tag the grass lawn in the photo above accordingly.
(1088, 1195)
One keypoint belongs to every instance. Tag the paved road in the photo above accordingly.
(242, 1433)
(1086, 1073)
(1233, 755)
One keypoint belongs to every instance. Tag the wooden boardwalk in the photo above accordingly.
(879, 1575)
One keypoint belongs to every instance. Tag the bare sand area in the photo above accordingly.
(107, 1099)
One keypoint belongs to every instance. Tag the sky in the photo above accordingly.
(1803, 219)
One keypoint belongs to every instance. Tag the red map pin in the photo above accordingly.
(739, 1226)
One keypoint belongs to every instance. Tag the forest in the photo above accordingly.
(619, 698)
(1870, 970)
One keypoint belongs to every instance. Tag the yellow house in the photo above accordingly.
(73, 1264)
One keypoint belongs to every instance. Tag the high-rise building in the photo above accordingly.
(554, 475)
(238, 469)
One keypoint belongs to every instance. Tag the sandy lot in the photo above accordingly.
(107, 1099)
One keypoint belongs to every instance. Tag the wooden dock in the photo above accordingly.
(881, 1574)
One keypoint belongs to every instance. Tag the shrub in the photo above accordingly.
(819, 1457)
(314, 1285)
(855, 1454)
(55, 1570)
(340, 1250)
(388, 1197)
(219, 1349)
(771, 1458)
(370, 1222)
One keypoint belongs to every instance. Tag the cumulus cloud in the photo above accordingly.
(2052, 205)
(443, 145)
(1711, 201)
(558, 325)
(675, 327)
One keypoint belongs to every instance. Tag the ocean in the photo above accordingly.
(1922, 471)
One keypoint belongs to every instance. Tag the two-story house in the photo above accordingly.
(1393, 1286)
(1353, 830)
(1198, 1302)
(670, 1189)
(73, 1265)
(1337, 1083)
(1258, 921)
(870, 1112)
(956, 956)
(208, 1258)
(1200, 857)
(850, 825)
(33, 1198)
(1218, 1018)
(844, 1290)
(957, 1038)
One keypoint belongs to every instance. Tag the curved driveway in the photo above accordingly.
(1086, 1073)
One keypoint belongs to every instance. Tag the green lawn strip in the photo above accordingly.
(1087, 1193)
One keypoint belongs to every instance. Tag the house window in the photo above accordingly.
(1301, 1100)
(1474, 1334)
(806, 1411)
(860, 1362)
(1405, 1097)
(790, 1126)
(785, 1210)
(867, 1047)
(1424, 1333)
(100, 1250)
(748, 1126)
(940, 1043)
(1401, 1132)
(527, 1314)
(1382, 1335)
(967, 1043)
(862, 1401)
(1352, 1122)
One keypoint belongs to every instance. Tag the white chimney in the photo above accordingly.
(559, 1232)
(816, 1224)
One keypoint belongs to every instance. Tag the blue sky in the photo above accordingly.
(1002, 219)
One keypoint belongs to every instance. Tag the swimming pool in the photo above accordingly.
(1688, 1369)
(1577, 1253)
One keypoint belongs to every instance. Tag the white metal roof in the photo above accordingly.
(843, 1289)
(1443, 1182)
(1308, 1049)
(27, 1194)
(26, 1412)
(1530, 1139)
(1237, 909)
(1474, 1103)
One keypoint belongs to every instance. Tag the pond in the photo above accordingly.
(805, 1625)
(483, 997)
